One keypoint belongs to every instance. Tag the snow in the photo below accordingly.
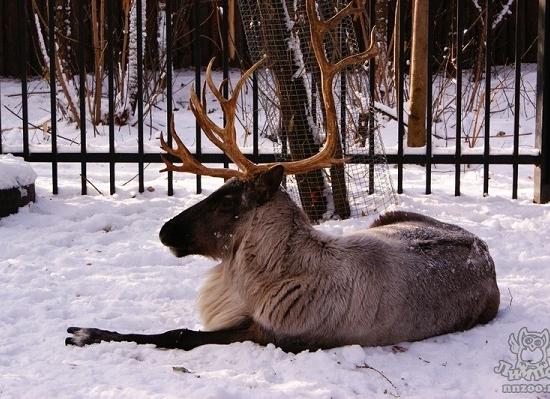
(96, 261)
(41, 43)
(15, 172)
(503, 13)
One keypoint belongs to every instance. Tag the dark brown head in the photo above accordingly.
(207, 227)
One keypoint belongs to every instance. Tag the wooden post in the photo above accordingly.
(416, 136)
(542, 138)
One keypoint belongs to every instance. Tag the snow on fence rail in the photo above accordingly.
(157, 105)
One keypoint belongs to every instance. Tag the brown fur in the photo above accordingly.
(398, 216)
(407, 278)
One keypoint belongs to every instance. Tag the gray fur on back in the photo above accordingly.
(406, 278)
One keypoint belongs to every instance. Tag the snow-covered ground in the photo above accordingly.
(72, 260)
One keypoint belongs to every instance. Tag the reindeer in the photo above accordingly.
(405, 278)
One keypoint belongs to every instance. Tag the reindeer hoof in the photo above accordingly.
(87, 336)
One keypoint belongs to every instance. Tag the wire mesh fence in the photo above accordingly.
(295, 119)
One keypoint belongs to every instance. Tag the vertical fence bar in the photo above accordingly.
(111, 95)
(458, 131)
(139, 31)
(343, 84)
(24, 88)
(53, 92)
(517, 98)
(372, 81)
(542, 137)
(197, 61)
(429, 99)
(1, 55)
(400, 96)
(255, 125)
(313, 88)
(225, 59)
(343, 93)
(169, 104)
(486, 141)
(1, 102)
(82, 95)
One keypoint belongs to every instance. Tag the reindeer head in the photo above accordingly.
(206, 227)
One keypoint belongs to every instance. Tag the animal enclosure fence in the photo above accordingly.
(540, 160)
(292, 96)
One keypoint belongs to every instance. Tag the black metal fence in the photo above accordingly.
(541, 161)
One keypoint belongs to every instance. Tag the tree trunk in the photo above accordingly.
(98, 40)
(63, 36)
(128, 84)
(338, 172)
(152, 60)
(294, 105)
(133, 58)
(416, 136)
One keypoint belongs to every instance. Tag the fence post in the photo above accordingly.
(542, 138)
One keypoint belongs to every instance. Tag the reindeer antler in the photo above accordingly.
(328, 70)
(189, 162)
(225, 138)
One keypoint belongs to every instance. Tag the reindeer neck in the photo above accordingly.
(274, 231)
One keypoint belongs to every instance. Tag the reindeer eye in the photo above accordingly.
(228, 202)
(229, 199)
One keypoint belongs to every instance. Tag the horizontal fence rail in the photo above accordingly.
(199, 42)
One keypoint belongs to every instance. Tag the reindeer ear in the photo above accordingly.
(267, 184)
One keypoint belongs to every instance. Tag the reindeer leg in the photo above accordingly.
(174, 339)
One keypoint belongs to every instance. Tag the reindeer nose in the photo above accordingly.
(167, 234)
